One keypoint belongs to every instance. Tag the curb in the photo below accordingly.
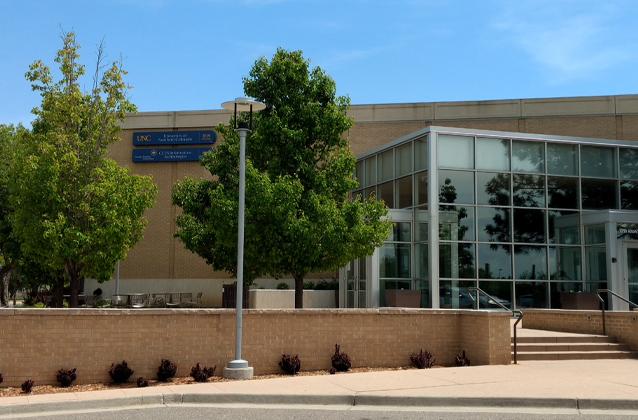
(343, 400)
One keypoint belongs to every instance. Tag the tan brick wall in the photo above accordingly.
(622, 326)
(37, 342)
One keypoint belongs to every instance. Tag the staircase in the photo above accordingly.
(550, 345)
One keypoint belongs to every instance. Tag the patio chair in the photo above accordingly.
(173, 301)
(158, 300)
(138, 301)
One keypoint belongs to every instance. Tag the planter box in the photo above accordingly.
(279, 299)
(403, 298)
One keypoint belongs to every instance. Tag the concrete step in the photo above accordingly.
(576, 355)
(565, 339)
(553, 347)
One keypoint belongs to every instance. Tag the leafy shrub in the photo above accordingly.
(1, 378)
(66, 377)
(120, 372)
(141, 382)
(283, 286)
(422, 359)
(290, 365)
(462, 360)
(332, 371)
(201, 374)
(166, 370)
(27, 386)
(327, 285)
(340, 361)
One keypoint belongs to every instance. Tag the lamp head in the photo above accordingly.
(244, 104)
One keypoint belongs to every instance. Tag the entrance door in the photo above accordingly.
(631, 273)
(356, 283)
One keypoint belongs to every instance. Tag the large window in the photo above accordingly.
(456, 152)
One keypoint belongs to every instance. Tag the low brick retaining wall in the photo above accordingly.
(35, 343)
(621, 325)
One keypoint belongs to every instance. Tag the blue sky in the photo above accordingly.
(192, 54)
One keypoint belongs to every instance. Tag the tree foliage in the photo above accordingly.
(299, 218)
(74, 209)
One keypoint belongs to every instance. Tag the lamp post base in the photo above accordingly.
(238, 369)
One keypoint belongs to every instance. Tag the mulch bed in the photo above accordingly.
(52, 389)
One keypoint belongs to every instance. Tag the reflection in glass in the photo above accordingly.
(404, 192)
(454, 294)
(403, 156)
(385, 166)
(359, 174)
(371, 171)
(596, 263)
(633, 292)
(456, 223)
(531, 294)
(456, 187)
(385, 193)
(529, 190)
(599, 194)
(564, 227)
(562, 159)
(493, 154)
(560, 294)
(401, 232)
(421, 188)
(501, 291)
(530, 262)
(456, 260)
(370, 192)
(493, 224)
(421, 154)
(388, 287)
(562, 192)
(629, 195)
(456, 151)
(528, 156)
(628, 163)
(422, 261)
(594, 234)
(564, 263)
(494, 261)
(394, 261)
(597, 161)
(529, 225)
(493, 188)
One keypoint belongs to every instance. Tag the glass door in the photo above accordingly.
(631, 270)
(356, 273)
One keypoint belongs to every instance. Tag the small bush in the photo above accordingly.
(290, 365)
(141, 382)
(201, 374)
(462, 360)
(332, 371)
(283, 286)
(166, 370)
(340, 361)
(422, 359)
(27, 386)
(66, 377)
(120, 372)
(1, 378)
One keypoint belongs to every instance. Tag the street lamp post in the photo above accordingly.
(238, 368)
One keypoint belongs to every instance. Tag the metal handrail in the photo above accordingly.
(602, 304)
(515, 312)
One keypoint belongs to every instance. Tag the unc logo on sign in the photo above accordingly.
(144, 138)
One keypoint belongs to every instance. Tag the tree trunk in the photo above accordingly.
(57, 295)
(298, 291)
(5, 274)
(74, 284)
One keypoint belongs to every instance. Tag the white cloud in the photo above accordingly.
(569, 43)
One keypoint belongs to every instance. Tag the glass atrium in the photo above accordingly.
(530, 219)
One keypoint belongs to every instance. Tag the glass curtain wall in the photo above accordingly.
(510, 215)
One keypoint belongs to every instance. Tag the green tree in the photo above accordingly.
(306, 223)
(75, 210)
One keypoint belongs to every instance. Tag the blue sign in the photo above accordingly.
(173, 138)
(187, 154)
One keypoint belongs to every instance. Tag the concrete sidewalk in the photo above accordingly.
(581, 384)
